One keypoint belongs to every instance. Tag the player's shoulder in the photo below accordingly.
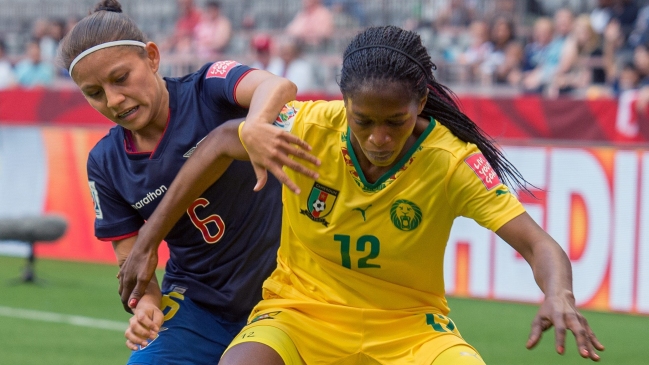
(107, 148)
(327, 114)
(442, 140)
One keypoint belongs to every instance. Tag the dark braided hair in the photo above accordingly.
(392, 54)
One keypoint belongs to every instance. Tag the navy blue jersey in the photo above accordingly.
(223, 248)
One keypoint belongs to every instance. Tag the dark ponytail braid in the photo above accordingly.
(392, 54)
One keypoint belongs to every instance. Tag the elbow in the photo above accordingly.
(290, 88)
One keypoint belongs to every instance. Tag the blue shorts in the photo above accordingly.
(189, 335)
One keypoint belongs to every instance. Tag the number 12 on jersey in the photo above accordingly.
(361, 243)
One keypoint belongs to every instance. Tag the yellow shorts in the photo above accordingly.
(333, 334)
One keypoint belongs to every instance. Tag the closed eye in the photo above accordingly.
(122, 78)
(93, 94)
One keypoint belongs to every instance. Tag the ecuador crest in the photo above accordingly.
(320, 203)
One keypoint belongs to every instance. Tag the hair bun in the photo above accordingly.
(109, 5)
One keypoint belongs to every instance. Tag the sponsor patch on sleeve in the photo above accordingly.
(95, 200)
(478, 163)
(286, 118)
(221, 69)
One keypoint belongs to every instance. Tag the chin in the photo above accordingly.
(382, 163)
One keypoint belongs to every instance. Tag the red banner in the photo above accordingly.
(522, 117)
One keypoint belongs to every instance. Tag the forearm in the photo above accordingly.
(152, 295)
(552, 269)
(550, 264)
(206, 165)
(269, 98)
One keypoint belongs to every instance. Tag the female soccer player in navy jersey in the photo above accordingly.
(359, 277)
(224, 247)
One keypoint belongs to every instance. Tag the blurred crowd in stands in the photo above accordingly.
(578, 48)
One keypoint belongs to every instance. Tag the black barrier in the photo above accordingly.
(32, 229)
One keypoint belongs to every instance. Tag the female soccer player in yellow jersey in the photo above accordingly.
(359, 276)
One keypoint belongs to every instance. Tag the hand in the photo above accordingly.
(562, 313)
(143, 326)
(269, 148)
(136, 273)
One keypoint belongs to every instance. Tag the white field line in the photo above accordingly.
(63, 318)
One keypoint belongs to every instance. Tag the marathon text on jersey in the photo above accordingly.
(150, 196)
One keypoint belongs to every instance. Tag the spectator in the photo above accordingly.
(629, 79)
(541, 37)
(641, 63)
(7, 77)
(353, 8)
(641, 27)
(261, 45)
(601, 15)
(578, 66)
(537, 80)
(510, 70)
(33, 71)
(503, 41)
(313, 24)
(181, 38)
(290, 64)
(457, 14)
(212, 34)
(625, 12)
(477, 51)
(41, 31)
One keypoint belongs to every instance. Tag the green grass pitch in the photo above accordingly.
(498, 330)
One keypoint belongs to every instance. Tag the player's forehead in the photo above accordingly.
(103, 63)
(385, 99)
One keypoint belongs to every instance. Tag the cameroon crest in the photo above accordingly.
(320, 203)
(405, 215)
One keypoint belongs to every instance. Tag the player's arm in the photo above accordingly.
(553, 274)
(270, 147)
(207, 164)
(147, 316)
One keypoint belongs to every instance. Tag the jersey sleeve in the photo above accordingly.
(475, 191)
(220, 82)
(297, 115)
(114, 218)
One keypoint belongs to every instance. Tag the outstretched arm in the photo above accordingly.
(264, 94)
(206, 165)
(553, 274)
(208, 162)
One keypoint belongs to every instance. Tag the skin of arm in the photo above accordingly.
(264, 94)
(553, 273)
(147, 316)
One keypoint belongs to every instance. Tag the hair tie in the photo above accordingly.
(394, 49)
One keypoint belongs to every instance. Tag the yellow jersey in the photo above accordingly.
(378, 245)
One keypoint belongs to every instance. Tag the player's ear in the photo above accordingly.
(422, 103)
(153, 55)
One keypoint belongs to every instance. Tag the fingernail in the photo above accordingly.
(132, 303)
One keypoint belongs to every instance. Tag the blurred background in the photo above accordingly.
(562, 85)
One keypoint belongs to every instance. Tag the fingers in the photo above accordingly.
(284, 179)
(585, 343)
(138, 292)
(559, 333)
(594, 340)
(262, 176)
(131, 345)
(141, 329)
(538, 326)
